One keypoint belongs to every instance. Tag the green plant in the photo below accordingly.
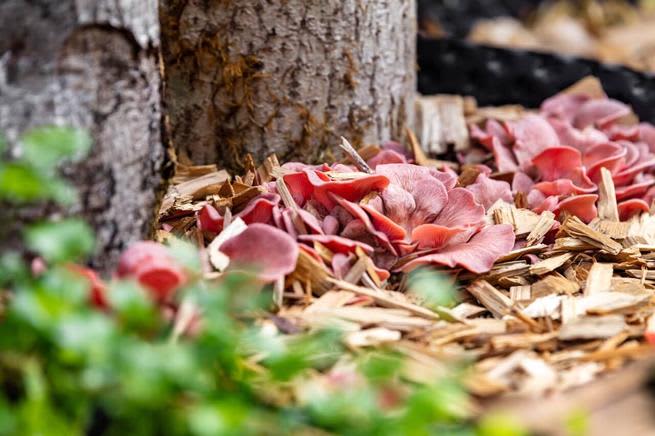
(68, 367)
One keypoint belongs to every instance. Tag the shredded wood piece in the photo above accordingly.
(395, 319)
(356, 271)
(354, 156)
(520, 294)
(520, 341)
(495, 301)
(193, 189)
(629, 285)
(308, 270)
(544, 307)
(467, 310)
(513, 255)
(571, 244)
(329, 300)
(592, 328)
(441, 123)
(599, 278)
(615, 230)
(603, 303)
(500, 113)
(577, 229)
(267, 168)
(368, 151)
(385, 300)
(554, 284)
(607, 207)
(628, 350)
(551, 264)
(419, 155)
(543, 226)
(524, 221)
(589, 85)
(372, 337)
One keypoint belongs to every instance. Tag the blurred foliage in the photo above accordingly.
(33, 175)
(435, 290)
(68, 368)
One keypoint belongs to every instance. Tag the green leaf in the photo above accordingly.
(500, 425)
(434, 288)
(132, 305)
(185, 253)
(61, 241)
(48, 146)
(3, 143)
(226, 417)
(61, 191)
(22, 183)
(381, 366)
(7, 418)
(577, 423)
(12, 268)
(84, 334)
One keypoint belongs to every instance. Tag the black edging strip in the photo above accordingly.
(496, 76)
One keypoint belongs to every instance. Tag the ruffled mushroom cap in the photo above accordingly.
(267, 251)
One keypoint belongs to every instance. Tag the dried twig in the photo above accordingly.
(354, 156)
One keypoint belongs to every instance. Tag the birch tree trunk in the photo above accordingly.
(286, 76)
(91, 64)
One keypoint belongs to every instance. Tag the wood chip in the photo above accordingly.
(467, 310)
(571, 244)
(330, 300)
(543, 226)
(524, 221)
(309, 270)
(520, 294)
(520, 341)
(495, 301)
(354, 156)
(613, 229)
(441, 123)
(628, 285)
(516, 254)
(267, 169)
(500, 113)
(603, 303)
(599, 278)
(577, 229)
(592, 328)
(357, 271)
(193, 189)
(385, 300)
(589, 85)
(395, 319)
(607, 207)
(372, 337)
(549, 265)
(554, 284)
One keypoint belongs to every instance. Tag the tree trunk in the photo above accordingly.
(286, 76)
(91, 64)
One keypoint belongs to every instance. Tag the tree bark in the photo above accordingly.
(91, 64)
(286, 76)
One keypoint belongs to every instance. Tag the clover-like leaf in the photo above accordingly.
(48, 146)
(60, 241)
